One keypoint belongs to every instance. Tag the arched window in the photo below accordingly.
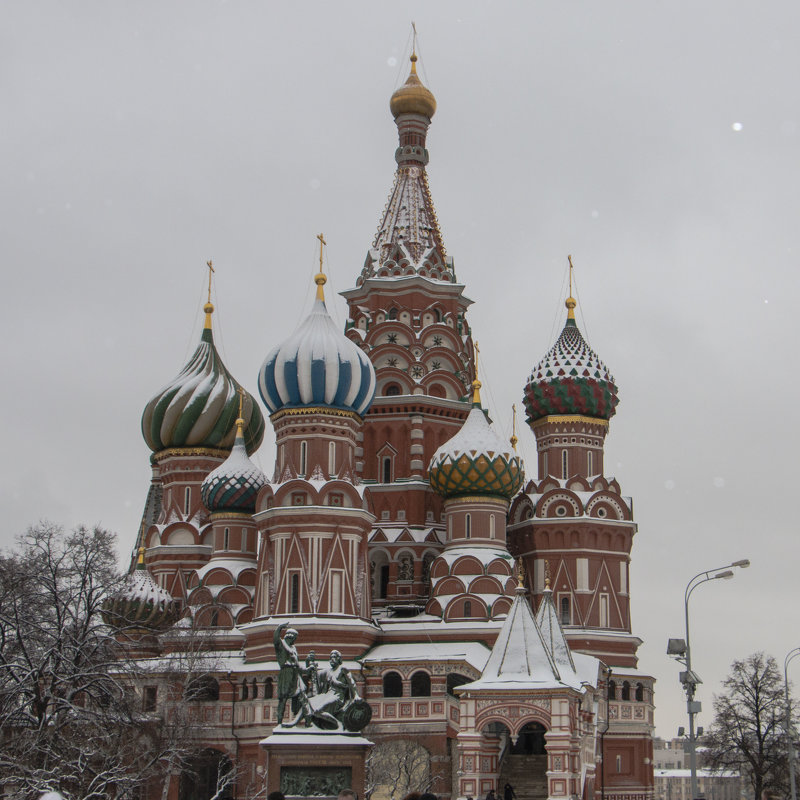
(467, 608)
(392, 390)
(303, 457)
(392, 313)
(468, 526)
(564, 465)
(226, 539)
(566, 617)
(245, 690)
(294, 596)
(392, 685)
(254, 689)
(269, 689)
(187, 501)
(453, 680)
(387, 469)
(491, 526)
(626, 690)
(612, 690)
(420, 684)
(590, 463)
(545, 473)
(639, 692)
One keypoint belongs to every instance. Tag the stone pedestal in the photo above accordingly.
(315, 764)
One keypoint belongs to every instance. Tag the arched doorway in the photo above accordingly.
(530, 741)
(525, 764)
(205, 777)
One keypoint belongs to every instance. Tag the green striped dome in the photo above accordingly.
(199, 408)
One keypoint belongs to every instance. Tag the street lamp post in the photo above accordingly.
(683, 651)
(789, 657)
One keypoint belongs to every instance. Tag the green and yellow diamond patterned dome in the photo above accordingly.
(476, 460)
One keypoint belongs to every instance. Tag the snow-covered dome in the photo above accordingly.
(476, 460)
(317, 366)
(570, 379)
(199, 407)
(234, 484)
(141, 603)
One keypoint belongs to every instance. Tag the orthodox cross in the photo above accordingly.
(211, 270)
(513, 438)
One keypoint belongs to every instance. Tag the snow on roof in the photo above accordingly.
(235, 566)
(629, 672)
(520, 658)
(484, 553)
(474, 653)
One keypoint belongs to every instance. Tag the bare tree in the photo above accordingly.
(70, 718)
(747, 734)
(396, 767)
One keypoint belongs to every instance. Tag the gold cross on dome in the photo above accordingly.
(211, 270)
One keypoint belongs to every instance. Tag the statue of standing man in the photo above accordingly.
(290, 684)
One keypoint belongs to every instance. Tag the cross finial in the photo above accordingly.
(320, 278)
(211, 270)
(209, 306)
(240, 390)
(513, 438)
(570, 302)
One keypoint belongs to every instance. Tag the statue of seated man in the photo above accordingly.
(337, 682)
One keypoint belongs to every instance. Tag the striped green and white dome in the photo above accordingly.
(199, 407)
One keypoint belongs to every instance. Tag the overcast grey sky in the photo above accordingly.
(658, 143)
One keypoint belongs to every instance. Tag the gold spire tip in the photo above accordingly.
(520, 574)
(320, 278)
(476, 392)
(140, 557)
(209, 306)
(240, 420)
(570, 302)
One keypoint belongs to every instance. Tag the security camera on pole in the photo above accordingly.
(681, 650)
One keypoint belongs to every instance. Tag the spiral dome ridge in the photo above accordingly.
(476, 461)
(317, 366)
(234, 484)
(200, 406)
(570, 379)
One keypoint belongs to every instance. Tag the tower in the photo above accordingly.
(408, 313)
(190, 427)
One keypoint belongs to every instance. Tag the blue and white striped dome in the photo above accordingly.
(317, 366)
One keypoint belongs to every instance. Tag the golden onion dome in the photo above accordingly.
(412, 97)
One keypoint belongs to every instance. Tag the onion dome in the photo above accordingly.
(199, 407)
(412, 97)
(234, 484)
(570, 379)
(317, 366)
(141, 603)
(476, 460)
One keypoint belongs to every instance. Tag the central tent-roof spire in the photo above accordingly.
(409, 241)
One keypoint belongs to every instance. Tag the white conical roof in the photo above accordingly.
(552, 633)
(521, 659)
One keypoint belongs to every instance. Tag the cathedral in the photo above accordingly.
(482, 614)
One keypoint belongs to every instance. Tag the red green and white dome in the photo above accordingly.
(234, 484)
(476, 460)
(570, 379)
(200, 406)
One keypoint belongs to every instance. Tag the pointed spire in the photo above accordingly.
(209, 306)
(513, 440)
(570, 302)
(320, 278)
(550, 626)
